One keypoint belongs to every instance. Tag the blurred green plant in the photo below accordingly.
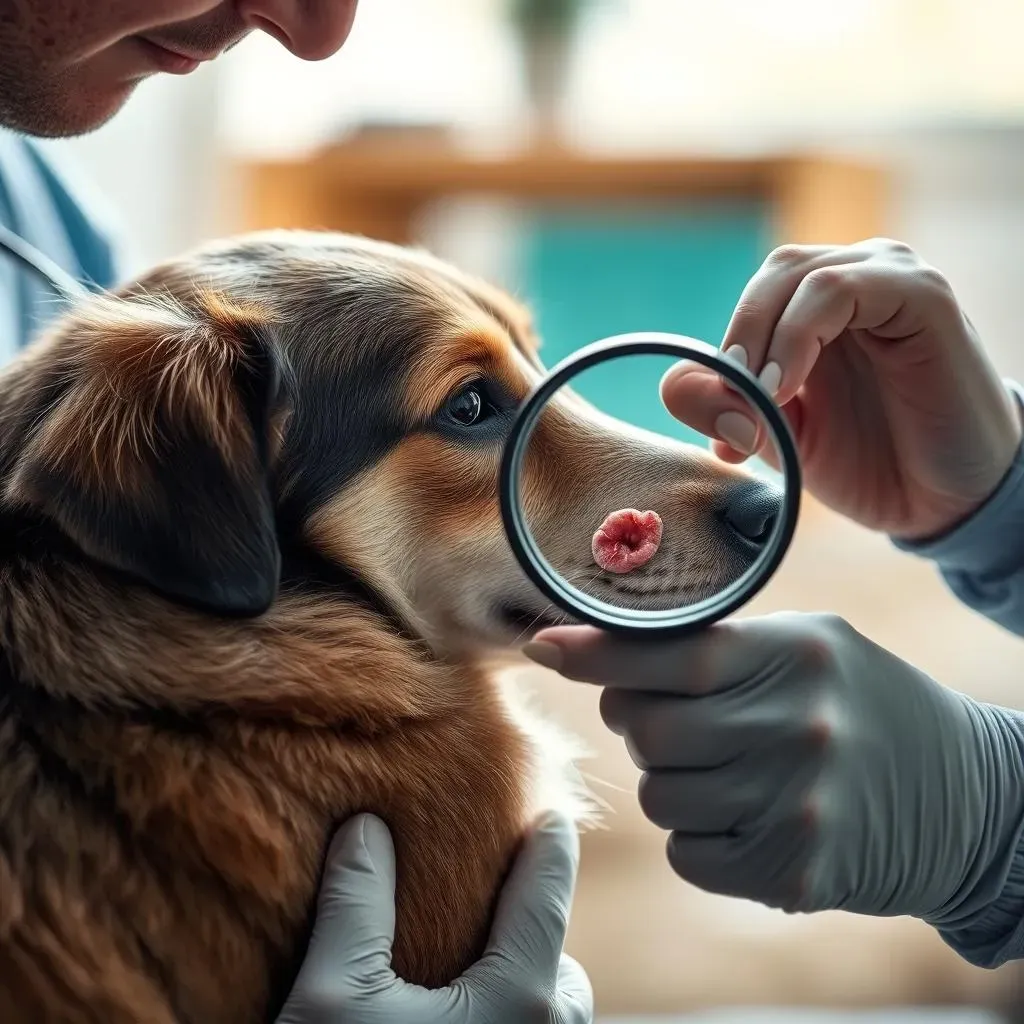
(547, 32)
(537, 17)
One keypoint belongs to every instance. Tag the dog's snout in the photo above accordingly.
(750, 512)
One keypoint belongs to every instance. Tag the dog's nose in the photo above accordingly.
(750, 512)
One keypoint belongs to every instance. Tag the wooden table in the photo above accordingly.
(378, 188)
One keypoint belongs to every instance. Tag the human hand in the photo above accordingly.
(797, 764)
(901, 420)
(522, 977)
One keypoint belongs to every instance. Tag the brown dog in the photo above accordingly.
(251, 573)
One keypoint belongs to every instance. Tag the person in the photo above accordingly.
(66, 67)
(791, 760)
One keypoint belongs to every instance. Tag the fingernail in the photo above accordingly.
(736, 430)
(375, 832)
(349, 841)
(738, 354)
(543, 653)
(364, 828)
(771, 378)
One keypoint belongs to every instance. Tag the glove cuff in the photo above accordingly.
(996, 934)
(986, 925)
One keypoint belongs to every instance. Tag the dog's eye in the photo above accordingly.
(467, 407)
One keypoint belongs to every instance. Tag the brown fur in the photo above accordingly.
(248, 588)
(212, 854)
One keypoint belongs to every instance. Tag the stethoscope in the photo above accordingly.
(578, 604)
(37, 262)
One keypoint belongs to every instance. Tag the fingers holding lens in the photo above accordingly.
(702, 399)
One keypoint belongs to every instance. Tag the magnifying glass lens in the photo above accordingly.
(645, 518)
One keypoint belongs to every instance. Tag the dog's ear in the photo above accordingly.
(154, 449)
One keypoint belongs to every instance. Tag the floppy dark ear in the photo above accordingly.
(155, 458)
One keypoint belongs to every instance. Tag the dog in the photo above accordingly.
(253, 580)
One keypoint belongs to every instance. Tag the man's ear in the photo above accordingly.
(155, 456)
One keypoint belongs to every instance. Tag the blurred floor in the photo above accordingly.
(787, 1016)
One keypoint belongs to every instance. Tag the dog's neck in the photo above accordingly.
(73, 633)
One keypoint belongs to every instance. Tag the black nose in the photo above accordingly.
(750, 513)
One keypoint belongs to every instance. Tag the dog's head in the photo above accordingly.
(285, 401)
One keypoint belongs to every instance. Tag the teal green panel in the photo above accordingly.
(593, 273)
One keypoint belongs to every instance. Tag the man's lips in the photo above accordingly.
(172, 60)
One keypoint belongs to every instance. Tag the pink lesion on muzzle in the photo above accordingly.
(626, 540)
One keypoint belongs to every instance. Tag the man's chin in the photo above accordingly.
(66, 116)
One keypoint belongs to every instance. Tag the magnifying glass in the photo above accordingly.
(626, 517)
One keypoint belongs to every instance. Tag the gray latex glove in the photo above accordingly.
(523, 976)
(800, 765)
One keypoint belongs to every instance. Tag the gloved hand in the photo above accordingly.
(347, 978)
(902, 422)
(799, 765)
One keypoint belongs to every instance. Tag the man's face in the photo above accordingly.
(66, 66)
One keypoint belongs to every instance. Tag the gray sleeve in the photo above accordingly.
(982, 562)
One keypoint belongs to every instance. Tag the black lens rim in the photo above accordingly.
(670, 622)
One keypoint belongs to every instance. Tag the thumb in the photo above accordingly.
(705, 401)
(717, 658)
(355, 917)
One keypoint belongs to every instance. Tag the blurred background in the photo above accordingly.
(623, 165)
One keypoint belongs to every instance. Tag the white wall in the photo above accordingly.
(959, 199)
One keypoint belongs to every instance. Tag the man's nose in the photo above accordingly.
(311, 29)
